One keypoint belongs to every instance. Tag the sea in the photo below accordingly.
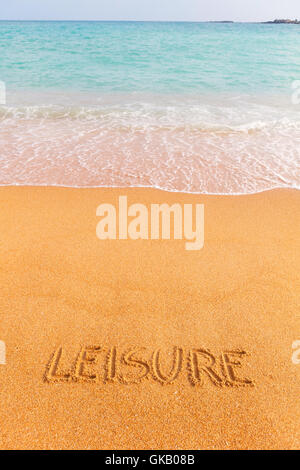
(210, 108)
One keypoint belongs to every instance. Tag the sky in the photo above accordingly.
(149, 10)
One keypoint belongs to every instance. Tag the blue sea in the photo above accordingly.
(194, 107)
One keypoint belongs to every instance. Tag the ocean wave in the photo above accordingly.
(234, 148)
(198, 117)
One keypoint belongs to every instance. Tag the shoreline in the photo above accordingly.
(150, 188)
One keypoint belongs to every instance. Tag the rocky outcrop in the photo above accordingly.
(282, 22)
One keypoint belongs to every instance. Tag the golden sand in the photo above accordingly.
(126, 344)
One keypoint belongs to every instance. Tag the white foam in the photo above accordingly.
(191, 144)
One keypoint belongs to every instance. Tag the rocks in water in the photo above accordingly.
(282, 22)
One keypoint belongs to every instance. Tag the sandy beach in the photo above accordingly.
(124, 344)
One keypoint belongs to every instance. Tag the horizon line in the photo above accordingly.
(140, 21)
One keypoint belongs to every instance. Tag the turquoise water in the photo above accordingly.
(196, 107)
(149, 57)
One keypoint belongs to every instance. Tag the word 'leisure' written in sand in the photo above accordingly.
(136, 222)
(134, 366)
